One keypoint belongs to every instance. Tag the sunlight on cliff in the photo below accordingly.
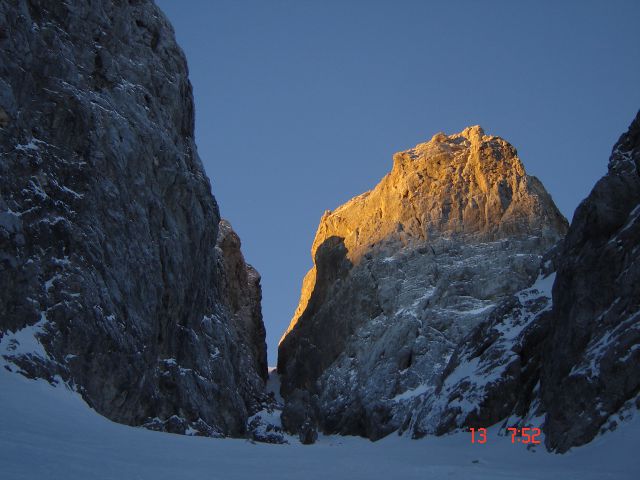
(467, 183)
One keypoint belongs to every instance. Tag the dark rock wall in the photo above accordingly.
(107, 223)
(592, 365)
(240, 287)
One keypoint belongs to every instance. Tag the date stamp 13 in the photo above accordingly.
(525, 435)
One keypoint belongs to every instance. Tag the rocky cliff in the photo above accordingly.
(111, 277)
(592, 363)
(402, 273)
(563, 355)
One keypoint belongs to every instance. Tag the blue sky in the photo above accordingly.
(300, 105)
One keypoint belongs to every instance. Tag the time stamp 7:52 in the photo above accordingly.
(526, 435)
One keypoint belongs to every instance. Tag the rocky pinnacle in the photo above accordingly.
(403, 271)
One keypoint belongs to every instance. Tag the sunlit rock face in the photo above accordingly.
(592, 367)
(402, 273)
(109, 270)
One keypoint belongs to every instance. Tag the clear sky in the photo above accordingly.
(300, 105)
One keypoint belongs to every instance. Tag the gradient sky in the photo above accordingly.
(300, 105)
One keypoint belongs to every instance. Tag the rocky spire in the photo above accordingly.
(456, 225)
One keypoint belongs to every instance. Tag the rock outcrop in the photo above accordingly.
(240, 288)
(592, 363)
(402, 273)
(111, 278)
(495, 370)
(447, 330)
(571, 365)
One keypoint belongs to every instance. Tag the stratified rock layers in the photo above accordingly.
(108, 228)
(402, 273)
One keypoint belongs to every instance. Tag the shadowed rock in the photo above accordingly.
(592, 364)
(108, 260)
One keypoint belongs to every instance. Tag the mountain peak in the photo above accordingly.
(401, 273)
(467, 183)
(451, 213)
(473, 133)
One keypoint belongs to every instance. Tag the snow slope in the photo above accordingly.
(50, 433)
